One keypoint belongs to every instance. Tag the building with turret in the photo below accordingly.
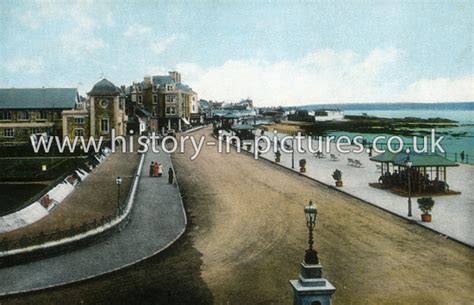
(163, 101)
(102, 111)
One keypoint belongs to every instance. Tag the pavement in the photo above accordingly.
(158, 219)
(451, 215)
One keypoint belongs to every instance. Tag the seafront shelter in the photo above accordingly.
(426, 174)
(228, 120)
(244, 131)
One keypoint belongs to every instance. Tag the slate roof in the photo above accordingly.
(181, 86)
(38, 98)
(142, 112)
(231, 116)
(163, 80)
(386, 157)
(418, 159)
(423, 160)
(105, 88)
(243, 127)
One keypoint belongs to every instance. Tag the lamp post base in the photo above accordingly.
(311, 287)
(311, 257)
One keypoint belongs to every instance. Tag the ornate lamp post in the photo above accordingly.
(310, 211)
(118, 181)
(311, 287)
(408, 164)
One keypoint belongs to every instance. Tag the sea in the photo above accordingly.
(460, 139)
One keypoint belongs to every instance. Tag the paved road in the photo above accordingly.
(157, 220)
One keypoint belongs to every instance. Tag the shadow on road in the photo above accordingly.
(171, 277)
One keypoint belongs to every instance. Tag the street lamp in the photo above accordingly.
(408, 164)
(310, 212)
(118, 181)
(293, 153)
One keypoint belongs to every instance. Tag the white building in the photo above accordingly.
(328, 115)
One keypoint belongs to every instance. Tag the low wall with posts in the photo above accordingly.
(34, 247)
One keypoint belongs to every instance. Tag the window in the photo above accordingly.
(43, 115)
(169, 87)
(154, 88)
(5, 115)
(170, 110)
(155, 99)
(154, 112)
(23, 116)
(36, 131)
(140, 99)
(170, 98)
(104, 125)
(104, 103)
(79, 120)
(79, 132)
(9, 133)
(80, 106)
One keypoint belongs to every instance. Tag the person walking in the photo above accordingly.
(170, 176)
(156, 168)
(151, 169)
(462, 156)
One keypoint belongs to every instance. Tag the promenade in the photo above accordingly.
(157, 220)
(451, 214)
(247, 235)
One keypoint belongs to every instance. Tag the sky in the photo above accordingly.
(277, 53)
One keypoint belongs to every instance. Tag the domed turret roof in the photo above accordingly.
(104, 88)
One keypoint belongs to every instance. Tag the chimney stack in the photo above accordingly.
(147, 81)
(175, 75)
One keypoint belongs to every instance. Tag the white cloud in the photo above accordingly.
(162, 45)
(84, 14)
(328, 57)
(81, 22)
(79, 42)
(137, 29)
(440, 90)
(158, 70)
(25, 65)
(324, 76)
